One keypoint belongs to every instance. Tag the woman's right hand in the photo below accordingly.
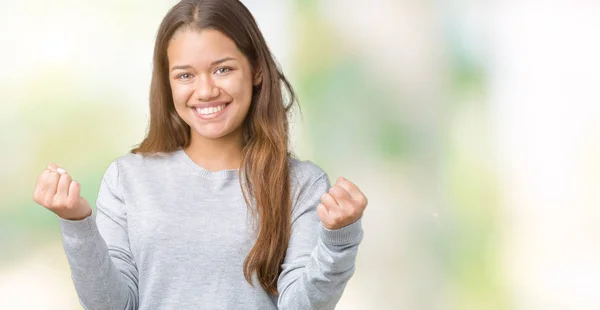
(57, 192)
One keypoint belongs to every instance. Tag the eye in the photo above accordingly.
(222, 71)
(184, 76)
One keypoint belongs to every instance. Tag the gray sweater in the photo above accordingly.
(169, 234)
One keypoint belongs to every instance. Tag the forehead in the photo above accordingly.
(200, 46)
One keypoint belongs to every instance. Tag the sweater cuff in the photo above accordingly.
(84, 228)
(351, 234)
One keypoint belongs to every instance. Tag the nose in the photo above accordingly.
(205, 89)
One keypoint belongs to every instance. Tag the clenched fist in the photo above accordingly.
(342, 205)
(57, 192)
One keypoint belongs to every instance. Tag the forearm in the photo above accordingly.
(319, 284)
(101, 281)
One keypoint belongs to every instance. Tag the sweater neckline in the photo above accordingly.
(182, 156)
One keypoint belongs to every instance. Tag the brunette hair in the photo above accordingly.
(264, 172)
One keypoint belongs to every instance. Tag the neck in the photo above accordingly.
(224, 153)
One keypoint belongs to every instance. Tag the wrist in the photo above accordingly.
(78, 217)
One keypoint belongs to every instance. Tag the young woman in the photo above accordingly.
(210, 210)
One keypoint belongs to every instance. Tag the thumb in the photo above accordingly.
(83, 202)
(74, 199)
(74, 190)
(322, 212)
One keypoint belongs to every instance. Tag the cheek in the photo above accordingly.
(239, 87)
(181, 93)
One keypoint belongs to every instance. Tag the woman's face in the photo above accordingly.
(211, 82)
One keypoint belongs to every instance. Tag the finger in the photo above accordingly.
(352, 189)
(41, 181)
(62, 190)
(329, 202)
(74, 190)
(340, 195)
(39, 185)
(322, 211)
(50, 185)
(55, 167)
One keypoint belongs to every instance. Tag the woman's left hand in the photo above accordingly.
(343, 205)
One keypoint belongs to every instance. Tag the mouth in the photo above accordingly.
(211, 112)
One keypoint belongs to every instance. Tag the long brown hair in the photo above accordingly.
(264, 173)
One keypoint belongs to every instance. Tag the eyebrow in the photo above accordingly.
(214, 63)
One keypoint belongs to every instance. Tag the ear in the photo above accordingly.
(257, 78)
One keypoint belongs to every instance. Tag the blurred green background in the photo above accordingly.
(472, 126)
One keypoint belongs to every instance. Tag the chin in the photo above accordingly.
(212, 134)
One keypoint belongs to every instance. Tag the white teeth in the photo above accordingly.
(211, 110)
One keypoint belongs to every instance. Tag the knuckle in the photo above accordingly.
(70, 204)
(355, 213)
(60, 202)
(57, 203)
(335, 191)
(323, 216)
(320, 211)
(331, 205)
(37, 197)
(336, 219)
(363, 200)
(48, 202)
(349, 213)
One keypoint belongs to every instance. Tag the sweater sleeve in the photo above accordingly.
(97, 249)
(319, 262)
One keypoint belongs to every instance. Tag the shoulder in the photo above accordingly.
(138, 165)
(133, 161)
(304, 171)
(307, 179)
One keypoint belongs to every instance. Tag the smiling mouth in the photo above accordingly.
(211, 110)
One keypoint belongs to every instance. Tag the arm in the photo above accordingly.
(319, 261)
(97, 248)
